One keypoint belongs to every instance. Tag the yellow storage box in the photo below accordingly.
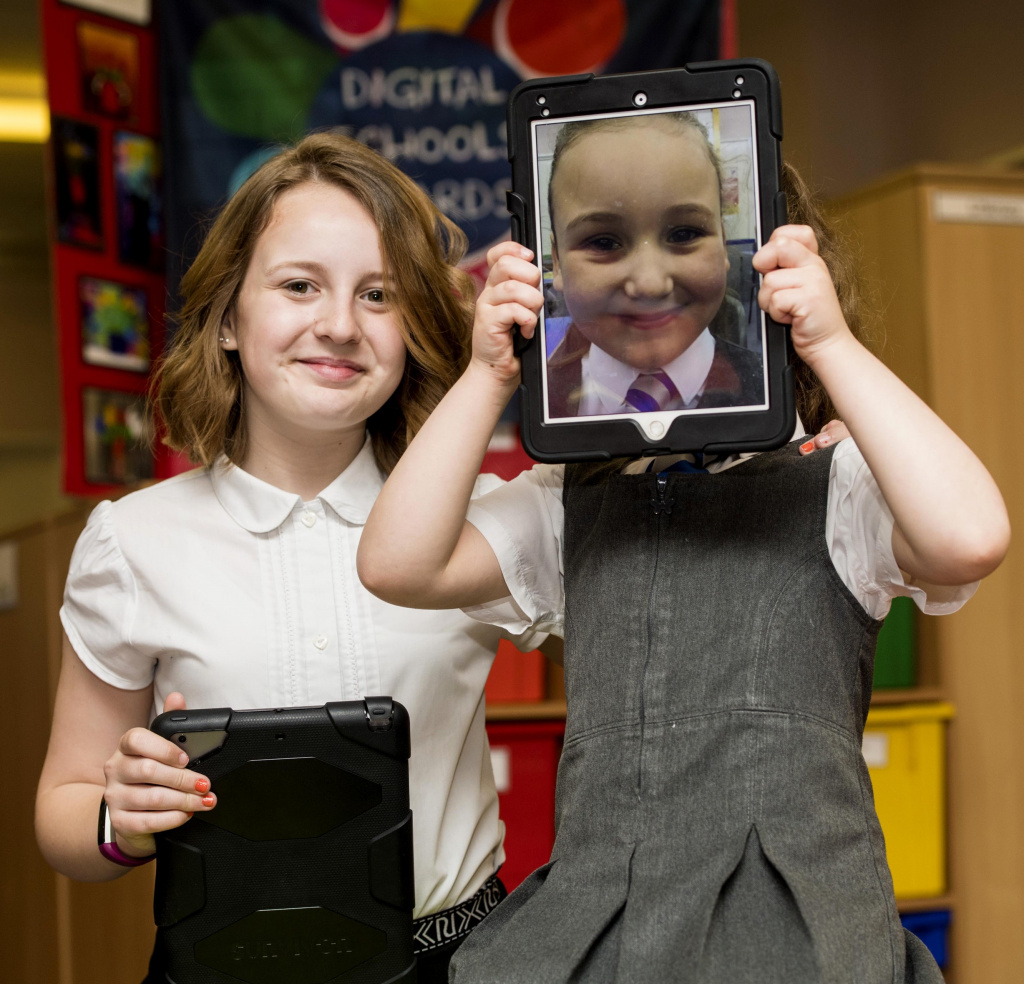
(905, 750)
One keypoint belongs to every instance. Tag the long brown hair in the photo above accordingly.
(812, 402)
(198, 388)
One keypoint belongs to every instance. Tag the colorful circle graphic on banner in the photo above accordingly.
(570, 37)
(355, 25)
(435, 105)
(253, 76)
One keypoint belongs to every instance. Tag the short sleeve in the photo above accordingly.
(858, 530)
(99, 606)
(522, 521)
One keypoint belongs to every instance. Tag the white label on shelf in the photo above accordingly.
(876, 749)
(8, 575)
(977, 208)
(501, 763)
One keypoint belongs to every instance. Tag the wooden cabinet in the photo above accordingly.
(945, 246)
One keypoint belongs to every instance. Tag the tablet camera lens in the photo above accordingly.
(739, 80)
(182, 739)
(541, 100)
(640, 99)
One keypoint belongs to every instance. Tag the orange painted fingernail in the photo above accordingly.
(202, 785)
(807, 445)
(190, 815)
(208, 799)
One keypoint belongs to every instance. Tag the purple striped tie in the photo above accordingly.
(651, 391)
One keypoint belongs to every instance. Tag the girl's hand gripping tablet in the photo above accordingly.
(148, 787)
(510, 297)
(417, 549)
(796, 289)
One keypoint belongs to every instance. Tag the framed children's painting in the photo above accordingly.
(115, 324)
(644, 198)
(108, 69)
(117, 432)
(76, 178)
(140, 233)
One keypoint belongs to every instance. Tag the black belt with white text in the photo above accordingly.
(451, 925)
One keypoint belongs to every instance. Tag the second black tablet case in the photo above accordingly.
(303, 872)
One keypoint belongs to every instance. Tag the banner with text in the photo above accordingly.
(424, 82)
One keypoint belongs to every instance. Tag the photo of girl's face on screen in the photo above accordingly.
(648, 222)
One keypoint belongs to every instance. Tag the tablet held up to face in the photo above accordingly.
(644, 198)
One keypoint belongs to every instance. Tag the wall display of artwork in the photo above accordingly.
(108, 252)
(115, 325)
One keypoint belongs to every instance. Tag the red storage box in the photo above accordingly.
(525, 757)
(516, 676)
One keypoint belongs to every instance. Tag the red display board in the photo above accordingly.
(106, 230)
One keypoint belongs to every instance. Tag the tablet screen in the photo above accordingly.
(647, 222)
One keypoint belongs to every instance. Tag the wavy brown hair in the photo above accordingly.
(198, 388)
(841, 257)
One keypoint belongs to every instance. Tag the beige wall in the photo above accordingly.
(30, 429)
(869, 86)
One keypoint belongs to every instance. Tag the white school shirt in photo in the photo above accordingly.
(523, 521)
(605, 380)
(238, 594)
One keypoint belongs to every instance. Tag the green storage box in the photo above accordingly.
(895, 656)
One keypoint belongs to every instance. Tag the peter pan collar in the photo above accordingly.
(260, 507)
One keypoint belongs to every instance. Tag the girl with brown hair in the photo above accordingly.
(323, 319)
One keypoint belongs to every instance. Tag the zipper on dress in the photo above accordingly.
(661, 501)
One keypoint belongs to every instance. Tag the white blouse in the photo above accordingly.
(238, 594)
(523, 521)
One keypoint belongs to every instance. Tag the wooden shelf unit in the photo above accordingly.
(952, 297)
(926, 905)
(886, 696)
(551, 710)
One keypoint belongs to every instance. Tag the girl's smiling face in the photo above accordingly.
(320, 347)
(639, 248)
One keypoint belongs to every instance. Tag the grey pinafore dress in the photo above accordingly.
(715, 821)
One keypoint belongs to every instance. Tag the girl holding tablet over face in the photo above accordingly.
(715, 823)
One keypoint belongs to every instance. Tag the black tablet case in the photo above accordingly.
(552, 98)
(303, 871)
